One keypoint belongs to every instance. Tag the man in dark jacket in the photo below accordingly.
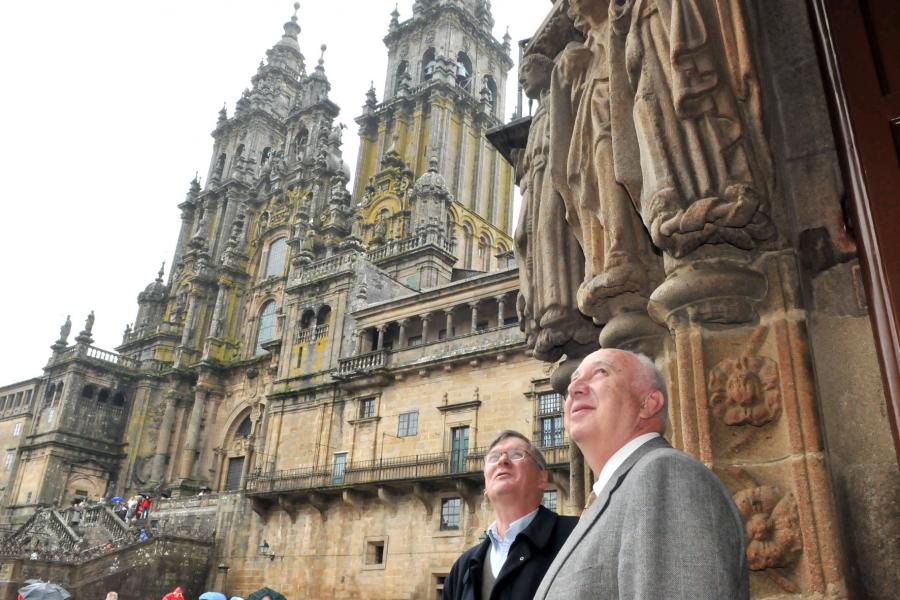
(525, 537)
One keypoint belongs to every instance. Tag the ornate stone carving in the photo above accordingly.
(686, 117)
(618, 255)
(745, 390)
(772, 526)
(549, 257)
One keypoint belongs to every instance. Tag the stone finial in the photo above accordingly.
(395, 18)
(223, 114)
(162, 270)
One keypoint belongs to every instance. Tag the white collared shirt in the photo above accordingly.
(620, 456)
(500, 545)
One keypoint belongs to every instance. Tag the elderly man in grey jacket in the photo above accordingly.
(662, 525)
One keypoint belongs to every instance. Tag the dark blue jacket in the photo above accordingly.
(529, 557)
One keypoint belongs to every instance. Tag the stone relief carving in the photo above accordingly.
(549, 257)
(686, 119)
(745, 391)
(618, 255)
(772, 525)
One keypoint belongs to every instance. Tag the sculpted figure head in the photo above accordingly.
(534, 74)
(614, 396)
(588, 14)
(515, 473)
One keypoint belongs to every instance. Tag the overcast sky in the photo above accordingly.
(108, 108)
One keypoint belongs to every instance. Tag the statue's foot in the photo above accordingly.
(626, 276)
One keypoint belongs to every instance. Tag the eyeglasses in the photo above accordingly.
(514, 455)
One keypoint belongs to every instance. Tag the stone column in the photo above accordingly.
(189, 320)
(474, 307)
(449, 314)
(218, 317)
(402, 342)
(425, 320)
(501, 304)
(359, 341)
(379, 339)
(192, 437)
(164, 438)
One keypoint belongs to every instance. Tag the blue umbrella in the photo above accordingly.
(213, 596)
(116, 499)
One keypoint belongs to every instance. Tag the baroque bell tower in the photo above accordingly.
(444, 88)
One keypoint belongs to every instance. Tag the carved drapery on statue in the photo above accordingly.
(686, 123)
(619, 260)
(549, 257)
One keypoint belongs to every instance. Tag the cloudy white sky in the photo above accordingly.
(107, 110)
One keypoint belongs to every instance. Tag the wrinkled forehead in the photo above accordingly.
(509, 444)
(613, 359)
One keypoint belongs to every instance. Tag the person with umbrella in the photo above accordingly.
(213, 596)
(43, 590)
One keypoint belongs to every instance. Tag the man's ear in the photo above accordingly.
(651, 404)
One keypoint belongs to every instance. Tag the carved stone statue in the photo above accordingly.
(687, 122)
(549, 257)
(65, 330)
(618, 255)
(89, 323)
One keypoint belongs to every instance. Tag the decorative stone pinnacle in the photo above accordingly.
(433, 164)
(296, 8)
(323, 48)
(162, 270)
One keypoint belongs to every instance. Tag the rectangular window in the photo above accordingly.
(549, 500)
(549, 403)
(367, 408)
(7, 464)
(450, 510)
(337, 470)
(408, 424)
(50, 414)
(439, 580)
(18, 430)
(551, 431)
(415, 340)
(375, 552)
(481, 326)
(459, 449)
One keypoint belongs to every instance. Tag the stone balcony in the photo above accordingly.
(92, 353)
(395, 472)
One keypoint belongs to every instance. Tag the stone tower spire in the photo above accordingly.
(444, 88)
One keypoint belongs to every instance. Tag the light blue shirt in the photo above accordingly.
(500, 545)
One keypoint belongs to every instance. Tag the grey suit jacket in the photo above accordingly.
(663, 527)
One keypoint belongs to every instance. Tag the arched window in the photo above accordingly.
(468, 244)
(428, 64)
(266, 155)
(276, 259)
(243, 429)
(298, 147)
(490, 85)
(484, 257)
(402, 70)
(306, 320)
(464, 71)
(266, 329)
(240, 151)
(103, 396)
(118, 399)
(87, 391)
(324, 314)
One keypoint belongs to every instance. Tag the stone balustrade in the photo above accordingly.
(396, 469)
(395, 247)
(362, 363)
(327, 267)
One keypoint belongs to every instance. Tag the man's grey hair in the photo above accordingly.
(112, 596)
(532, 449)
(653, 378)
